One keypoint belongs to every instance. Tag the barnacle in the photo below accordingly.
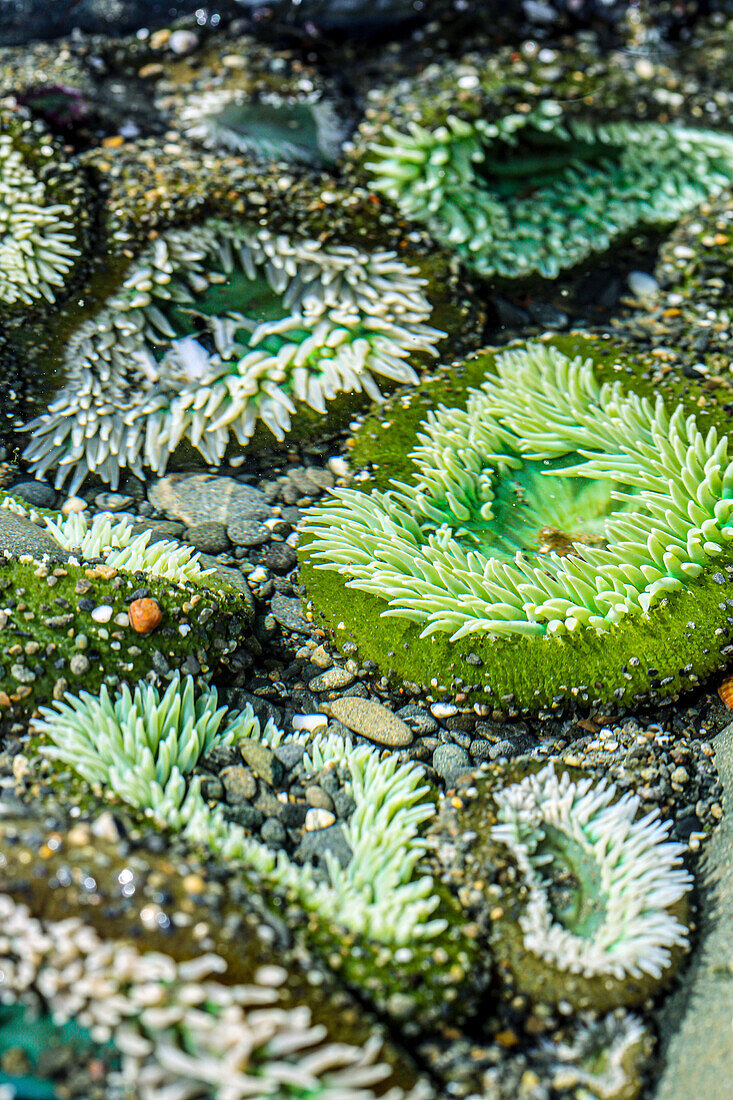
(572, 533)
(41, 216)
(530, 180)
(306, 129)
(178, 1024)
(217, 328)
(144, 747)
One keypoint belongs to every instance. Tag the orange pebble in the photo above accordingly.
(145, 615)
(725, 691)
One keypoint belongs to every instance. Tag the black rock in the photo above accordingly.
(35, 492)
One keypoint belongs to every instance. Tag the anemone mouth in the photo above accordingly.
(601, 881)
(38, 246)
(217, 329)
(305, 129)
(539, 192)
(665, 492)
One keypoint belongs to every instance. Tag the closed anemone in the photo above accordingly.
(217, 329)
(574, 534)
(306, 129)
(537, 192)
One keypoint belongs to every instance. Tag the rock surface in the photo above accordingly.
(205, 498)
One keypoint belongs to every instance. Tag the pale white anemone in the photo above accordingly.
(217, 329)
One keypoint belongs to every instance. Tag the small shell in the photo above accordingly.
(145, 615)
(725, 691)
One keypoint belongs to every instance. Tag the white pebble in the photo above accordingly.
(338, 466)
(309, 722)
(73, 504)
(102, 614)
(642, 285)
(318, 819)
(443, 710)
(183, 42)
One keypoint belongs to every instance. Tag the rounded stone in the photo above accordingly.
(79, 664)
(273, 831)
(209, 538)
(450, 760)
(35, 492)
(145, 615)
(331, 680)
(373, 721)
(247, 532)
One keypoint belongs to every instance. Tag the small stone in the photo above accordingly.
(113, 502)
(451, 761)
(247, 532)
(209, 538)
(443, 710)
(679, 777)
(642, 285)
(35, 492)
(21, 674)
(420, 721)
(273, 832)
(290, 754)
(145, 615)
(318, 798)
(287, 612)
(79, 664)
(318, 819)
(331, 680)
(182, 42)
(60, 688)
(320, 657)
(309, 722)
(239, 783)
(103, 614)
(315, 844)
(279, 557)
(262, 761)
(246, 816)
(72, 505)
(106, 827)
(373, 721)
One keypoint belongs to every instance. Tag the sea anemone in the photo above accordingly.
(180, 1030)
(598, 889)
(143, 747)
(605, 1056)
(305, 129)
(40, 236)
(572, 532)
(521, 178)
(217, 328)
(111, 537)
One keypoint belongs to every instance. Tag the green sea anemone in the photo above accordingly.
(216, 329)
(179, 1028)
(572, 533)
(598, 889)
(111, 537)
(40, 216)
(521, 177)
(306, 129)
(143, 747)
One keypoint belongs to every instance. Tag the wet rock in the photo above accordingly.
(331, 680)
(287, 612)
(450, 762)
(247, 532)
(372, 721)
(35, 492)
(21, 536)
(209, 538)
(315, 844)
(205, 498)
(262, 761)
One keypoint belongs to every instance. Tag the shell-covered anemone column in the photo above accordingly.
(379, 919)
(529, 168)
(41, 216)
(217, 328)
(584, 897)
(573, 535)
(175, 1025)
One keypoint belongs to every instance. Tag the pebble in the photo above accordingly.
(209, 538)
(247, 532)
(332, 679)
(373, 721)
(279, 557)
(309, 722)
(239, 783)
(320, 657)
(642, 285)
(450, 761)
(291, 753)
(112, 502)
(103, 613)
(79, 664)
(145, 615)
(262, 761)
(182, 42)
(314, 845)
(35, 492)
(318, 798)
(443, 710)
(204, 498)
(286, 610)
(679, 776)
(273, 832)
(318, 819)
(419, 720)
(72, 505)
